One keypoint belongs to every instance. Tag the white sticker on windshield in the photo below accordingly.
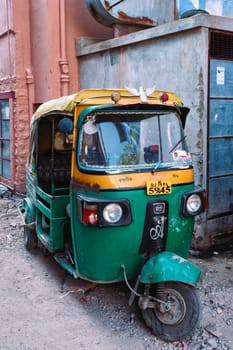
(220, 75)
(180, 155)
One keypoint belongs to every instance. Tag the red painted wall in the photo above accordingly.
(38, 62)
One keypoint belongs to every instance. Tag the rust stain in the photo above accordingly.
(122, 16)
(80, 185)
(107, 5)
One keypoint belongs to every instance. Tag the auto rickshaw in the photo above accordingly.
(110, 194)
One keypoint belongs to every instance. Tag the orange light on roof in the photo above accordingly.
(115, 96)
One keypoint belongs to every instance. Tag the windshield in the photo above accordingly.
(127, 140)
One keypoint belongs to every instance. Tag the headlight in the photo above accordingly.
(112, 213)
(193, 204)
(103, 212)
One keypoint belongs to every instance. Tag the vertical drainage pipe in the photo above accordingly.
(63, 61)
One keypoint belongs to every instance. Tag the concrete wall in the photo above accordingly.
(175, 57)
(149, 58)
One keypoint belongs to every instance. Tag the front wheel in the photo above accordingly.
(171, 310)
(30, 238)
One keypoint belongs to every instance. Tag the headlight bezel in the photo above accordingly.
(101, 204)
(188, 200)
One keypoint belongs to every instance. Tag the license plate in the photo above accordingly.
(158, 187)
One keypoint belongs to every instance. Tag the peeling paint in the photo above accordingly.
(145, 21)
(179, 258)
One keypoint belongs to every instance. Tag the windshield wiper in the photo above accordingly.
(177, 144)
(166, 156)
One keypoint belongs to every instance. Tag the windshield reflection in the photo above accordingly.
(147, 140)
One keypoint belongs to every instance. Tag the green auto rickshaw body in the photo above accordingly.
(95, 249)
(110, 194)
(102, 250)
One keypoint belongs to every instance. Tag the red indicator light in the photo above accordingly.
(164, 97)
(90, 215)
(154, 148)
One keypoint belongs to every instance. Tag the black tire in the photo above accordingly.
(183, 316)
(30, 238)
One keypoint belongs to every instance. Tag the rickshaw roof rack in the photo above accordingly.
(91, 97)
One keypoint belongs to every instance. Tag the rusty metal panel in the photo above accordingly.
(147, 13)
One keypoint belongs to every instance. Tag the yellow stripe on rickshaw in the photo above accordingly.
(134, 180)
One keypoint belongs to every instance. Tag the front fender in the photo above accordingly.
(28, 208)
(167, 266)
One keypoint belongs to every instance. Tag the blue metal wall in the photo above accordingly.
(220, 140)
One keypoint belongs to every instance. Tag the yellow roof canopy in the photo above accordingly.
(92, 97)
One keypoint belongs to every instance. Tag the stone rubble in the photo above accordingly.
(109, 302)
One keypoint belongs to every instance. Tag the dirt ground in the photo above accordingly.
(42, 307)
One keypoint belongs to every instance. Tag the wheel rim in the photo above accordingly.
(174, 309)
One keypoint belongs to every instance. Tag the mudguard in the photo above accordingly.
(28, 207)
(167, 266)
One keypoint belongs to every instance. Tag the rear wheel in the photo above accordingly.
(178, 313)
(30, 238)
